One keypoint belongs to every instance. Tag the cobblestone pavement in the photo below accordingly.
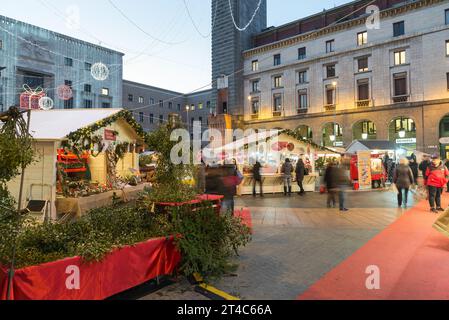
(295, 243)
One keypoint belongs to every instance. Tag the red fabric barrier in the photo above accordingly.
(119, 271)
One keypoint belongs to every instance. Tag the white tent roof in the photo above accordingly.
(256, 137)
(57, 124)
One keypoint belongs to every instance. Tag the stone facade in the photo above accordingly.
(39, 57)
(418, 55)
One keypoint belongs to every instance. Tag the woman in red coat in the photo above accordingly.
(436, 174)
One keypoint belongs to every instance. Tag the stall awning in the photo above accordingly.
(365, 145)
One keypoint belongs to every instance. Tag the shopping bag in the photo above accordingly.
(323, 189)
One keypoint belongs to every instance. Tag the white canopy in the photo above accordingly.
(57, 124)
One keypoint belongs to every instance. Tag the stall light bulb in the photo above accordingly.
(332, 138)
(364, 136)
(402, 134)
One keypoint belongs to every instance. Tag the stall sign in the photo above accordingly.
(406, 141)
(364, 167)
(444, 140)
(109, 135)
(339, 144)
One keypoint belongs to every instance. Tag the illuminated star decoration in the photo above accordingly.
(46, 103)
(64, 92)
(99, 71)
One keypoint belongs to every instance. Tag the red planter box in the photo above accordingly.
(121, 270)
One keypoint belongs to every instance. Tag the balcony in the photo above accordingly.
(255, 116)
(400, 99)
(303, 110)
(364, 103)
(330, 107)
(277, 113)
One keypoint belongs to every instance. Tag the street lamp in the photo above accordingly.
(364, 136)
(188, 120)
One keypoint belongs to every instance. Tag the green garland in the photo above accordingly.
(297, 135)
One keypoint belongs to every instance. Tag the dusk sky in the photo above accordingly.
(180, 57)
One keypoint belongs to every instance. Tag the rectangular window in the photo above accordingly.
(277, 82)
(255, 65)
(88, 104)
(106, 105)
(302, 53)
(362, 38)
(68, 62)
(68, 104)
(255, 86)
(200, 119)
(161, 119)
(302, 100)
(277, 59)
(208, 105)
(1, 44)
(179, 107)
(363, 89)
(400, 84)
(405, 124)
(161, 103)
(398, 29)
(170, 105)
(255, 106)
(330, 46)
(151, 101)
(447, 48)
(399, 57)
(141, 100)
(302, 77)
(105, 91)
(330, 71)
(446, 16)
(88, 88)
(68, 83)
(277, 104)
(141, 117)
(87, 66)
(200, 106)
(447, 80)
(362, 64)
(130, 97)
(192, 107)
(151, 118)
(330, 95)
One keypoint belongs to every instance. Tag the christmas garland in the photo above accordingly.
(297, 135)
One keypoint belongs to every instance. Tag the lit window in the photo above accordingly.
(277, 104)
(200, 106)
(255, 65)
(105, 91)
(447, 47)
(141, 100)
(362, 38)
(278, 81)
(399, 57)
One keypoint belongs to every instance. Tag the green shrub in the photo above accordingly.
(208, 240)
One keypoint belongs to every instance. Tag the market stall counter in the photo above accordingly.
(274, 183)
(80, 206)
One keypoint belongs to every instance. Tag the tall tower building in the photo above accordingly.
(228, 43)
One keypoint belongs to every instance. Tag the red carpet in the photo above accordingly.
(245, 214)
(412, 257)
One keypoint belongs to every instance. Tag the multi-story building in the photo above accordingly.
(38, 57)
(153, 106)
(337, 77)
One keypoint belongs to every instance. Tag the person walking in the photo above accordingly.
(414, 167)
(403, 178)
(257, 179)
(287, 170)
(436, 174)
(343, 183)
(300, 173)
(425, 163)
(331, 185)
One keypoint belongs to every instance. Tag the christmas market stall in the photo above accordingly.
(86, 158)
(271, 149)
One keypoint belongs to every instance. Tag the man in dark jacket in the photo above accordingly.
(300, 173)
(330, 180)
(413, 163)
(423, 167)
(257, 179)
